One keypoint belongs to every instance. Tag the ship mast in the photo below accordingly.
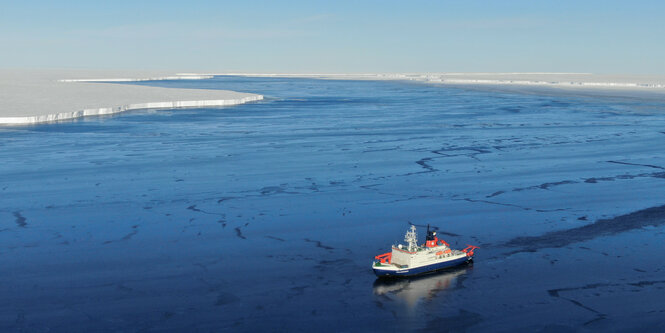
(411, 239)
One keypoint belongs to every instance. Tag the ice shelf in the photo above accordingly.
(39, 96)
(158, 78)
(563, 80)
(112, 110)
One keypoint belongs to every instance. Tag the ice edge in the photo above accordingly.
(545, 83)
(443, 79)
(27, 120)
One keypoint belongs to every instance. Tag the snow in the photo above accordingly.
(559, 80)
(158, 78)
(38, 96)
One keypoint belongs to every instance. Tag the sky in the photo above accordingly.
(604, 37)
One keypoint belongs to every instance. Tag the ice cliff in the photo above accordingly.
(25, 120)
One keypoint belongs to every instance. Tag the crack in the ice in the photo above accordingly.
(495, 203)
(222, 199)
(599, 315)
(193, 208)
(592, 180)
(319, 244)
(239, 233)
(20, 219)
(125, 237)
(637, 164)
(557, 292)
(545, 186)
(495, 194)
(476, 149)
(424, 162)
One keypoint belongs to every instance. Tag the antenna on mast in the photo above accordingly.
(411, 239)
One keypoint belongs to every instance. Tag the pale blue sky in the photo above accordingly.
(625, 37)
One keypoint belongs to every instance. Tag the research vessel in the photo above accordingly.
(413, 259)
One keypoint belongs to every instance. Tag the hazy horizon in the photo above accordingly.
(342, 37)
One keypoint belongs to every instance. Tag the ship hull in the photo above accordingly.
(421, 269)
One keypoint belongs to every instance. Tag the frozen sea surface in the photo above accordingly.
(267, 216)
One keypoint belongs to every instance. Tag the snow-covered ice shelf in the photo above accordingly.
(111, 110)
(559, 80)
(158, 78)
(32, 96)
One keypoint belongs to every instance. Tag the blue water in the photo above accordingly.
(266, 216)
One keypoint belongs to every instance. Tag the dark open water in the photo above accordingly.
(267, 216)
